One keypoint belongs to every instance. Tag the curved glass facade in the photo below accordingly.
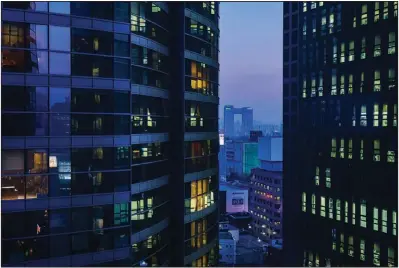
(201, 116)
(86, 123)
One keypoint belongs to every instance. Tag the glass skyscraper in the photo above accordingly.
(109, 133)
(340, 133)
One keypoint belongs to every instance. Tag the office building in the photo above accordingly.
(233, 197)
(266, 191)
(245, 126)
(241, 157)
(99, 111)
(340, 133)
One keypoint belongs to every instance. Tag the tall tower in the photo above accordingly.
(340, 133)
(109, 133)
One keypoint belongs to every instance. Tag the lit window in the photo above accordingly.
(323, 25)
(335, 51)
(385, 15)
(313, 86)
(317, 177)
(375, 219)
(338, 209)
(361, 82)
(376, 155)
(354, 21)
(317, 261)
(342, 85)
(385, 115)
(304, 30)
(333, 148)
(384, 221)
(363, 52)
(361, 150)
(305, 6)
(313, 5)
(391, 79)
(334, 238)
(333, 82)
(364, 14)
(376, 115)
(354, 116)
(320, 89)
(304, 202)
(377, 12)
(310, 263)
(342, 57)
(313, 204)
(331, 23)
(377, 46)
(363, 215)
(391, 255)
(350, 246)
(362, 250)
(395, 115)
(377, 81)
(304, 88)
(363, 116)
(391, 157)
(391, 43)
(342, 149)
(346, 211)
(351, 56)
(330, 208)
(322, 206)
(342, 244)
(394, 223)
(395, 8)
(321, 4)
(350, 84)
(353, 213)
(350, 149)
(376, 254)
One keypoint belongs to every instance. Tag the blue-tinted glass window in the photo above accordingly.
(60, 63)
(60, 124)
(60, 7)
(60, 38)
(60, 99)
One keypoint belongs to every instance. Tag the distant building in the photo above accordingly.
(265, 201)
(229, 123)
(241, 157)
(233, 198)
(254, 135)
(227, 249)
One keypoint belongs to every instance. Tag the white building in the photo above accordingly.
(227, 249)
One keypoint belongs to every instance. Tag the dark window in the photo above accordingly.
(60, 99)
(91, 41)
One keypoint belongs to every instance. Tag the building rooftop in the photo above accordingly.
(225, 235)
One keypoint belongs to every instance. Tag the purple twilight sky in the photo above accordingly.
(251, 58)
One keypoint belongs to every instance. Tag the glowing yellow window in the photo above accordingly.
(391, 43)
(322, 206)
(346, 211)
(342, 85)
(377, 81)
(304, 202)
(342, 244)
(342, 57)
(364, 14)
(317, 176)
(342, 149)
(363, 215)
(338, 209)
(375, 219)
(376, 115)
(330, 208)
(353, 213)
(376, 11)
(377, 46)
(333, 148)
(313, 204)
(384, 221)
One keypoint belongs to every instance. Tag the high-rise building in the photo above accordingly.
(265, 194)
(109, 133)
(230, 129)
(340, 133)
